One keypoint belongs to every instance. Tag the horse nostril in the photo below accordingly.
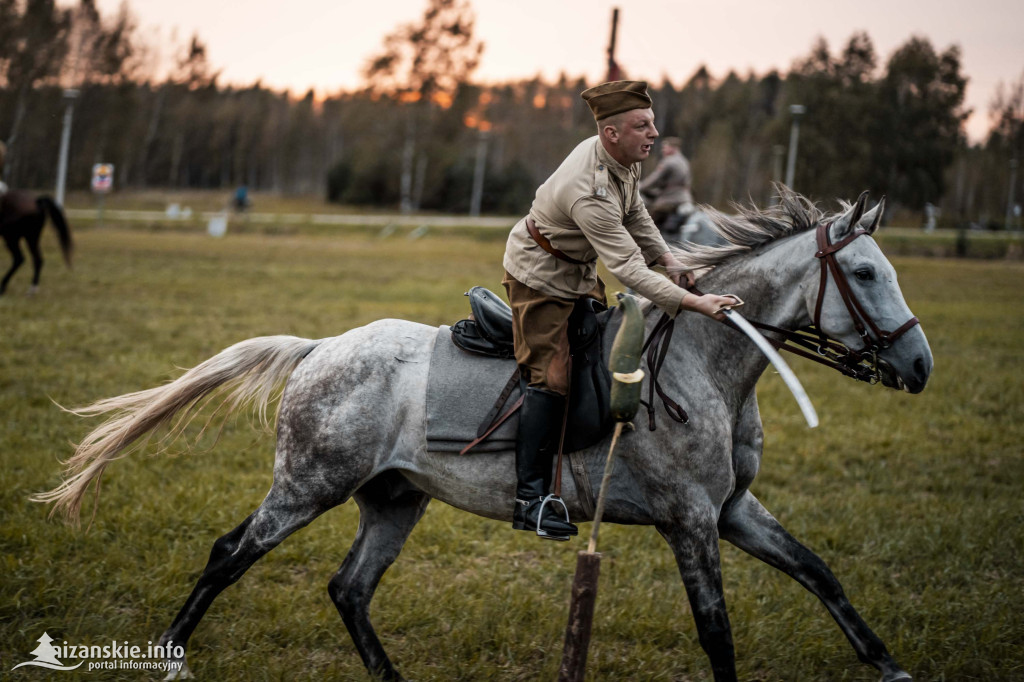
(920, 367)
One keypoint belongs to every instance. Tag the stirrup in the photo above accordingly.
(540, 515)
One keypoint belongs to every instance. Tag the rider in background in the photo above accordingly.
(668, 189)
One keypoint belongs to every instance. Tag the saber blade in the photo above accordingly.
(780, 365)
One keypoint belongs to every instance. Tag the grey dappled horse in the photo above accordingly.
(351, 425)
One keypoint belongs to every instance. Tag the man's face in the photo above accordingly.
(634, 136)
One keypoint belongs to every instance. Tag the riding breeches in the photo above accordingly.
(540, 331)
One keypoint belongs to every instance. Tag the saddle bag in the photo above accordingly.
(488, 330)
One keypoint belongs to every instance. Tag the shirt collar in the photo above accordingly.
(621, 172)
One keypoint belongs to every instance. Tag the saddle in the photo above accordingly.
(489, 332)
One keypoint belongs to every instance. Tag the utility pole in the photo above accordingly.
(70, 96)
(797, 110)
(614, 72)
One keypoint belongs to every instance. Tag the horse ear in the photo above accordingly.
(845, 223)
(873, 218)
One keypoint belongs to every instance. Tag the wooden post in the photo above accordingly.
(584, 587)
(624, 365)
(581, 617)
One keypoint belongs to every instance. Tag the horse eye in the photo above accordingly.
(864, 274)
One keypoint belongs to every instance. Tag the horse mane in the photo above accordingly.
(752, 227)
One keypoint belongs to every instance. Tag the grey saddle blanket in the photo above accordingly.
(461, 390)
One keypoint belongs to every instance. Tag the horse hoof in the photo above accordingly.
(897, 676)
(32, 291)
(178, 670)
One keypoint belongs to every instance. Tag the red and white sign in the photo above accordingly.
(102, 177)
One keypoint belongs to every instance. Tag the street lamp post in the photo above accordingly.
(797, 110)
(70, 95)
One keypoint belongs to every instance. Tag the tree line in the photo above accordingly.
(422, 135)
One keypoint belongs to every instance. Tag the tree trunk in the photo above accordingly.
(10, 167)
(417, 189)
(408, 153)
(176, 154)
(151, 130)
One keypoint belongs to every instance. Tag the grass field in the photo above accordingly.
(914, 501)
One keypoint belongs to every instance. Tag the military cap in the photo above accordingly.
(608, 99)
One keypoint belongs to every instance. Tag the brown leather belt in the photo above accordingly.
(543, 242)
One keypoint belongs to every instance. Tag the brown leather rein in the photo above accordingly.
(813, 344)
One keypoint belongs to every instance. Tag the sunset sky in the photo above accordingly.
(322, 44)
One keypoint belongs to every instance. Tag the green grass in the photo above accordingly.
(913, 500)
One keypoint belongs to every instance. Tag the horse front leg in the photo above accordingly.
(694, 541)
(748, 525)
(385, 522)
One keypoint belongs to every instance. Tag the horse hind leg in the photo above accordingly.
(15, 248)
(37, 263)
(389, 508)
(748, 525)
(284, 511)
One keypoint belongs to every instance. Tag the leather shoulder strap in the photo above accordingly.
(543, 242)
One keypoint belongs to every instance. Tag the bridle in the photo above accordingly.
(812, 343)
(827, 257)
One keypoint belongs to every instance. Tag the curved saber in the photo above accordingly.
(780, 365)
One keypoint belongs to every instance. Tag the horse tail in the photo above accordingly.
(248, 373)
(63, 231)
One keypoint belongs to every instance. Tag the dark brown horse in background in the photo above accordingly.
(22, 216)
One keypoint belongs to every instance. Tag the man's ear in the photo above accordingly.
(611, 133)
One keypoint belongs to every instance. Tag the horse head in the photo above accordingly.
(862, 305)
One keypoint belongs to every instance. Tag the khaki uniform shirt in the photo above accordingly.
(590, 207)
(669, 184)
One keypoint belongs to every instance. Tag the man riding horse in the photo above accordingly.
(589, 208)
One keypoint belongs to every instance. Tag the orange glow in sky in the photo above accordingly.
(323, 44)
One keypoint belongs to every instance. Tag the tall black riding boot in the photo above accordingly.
(540, 425)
